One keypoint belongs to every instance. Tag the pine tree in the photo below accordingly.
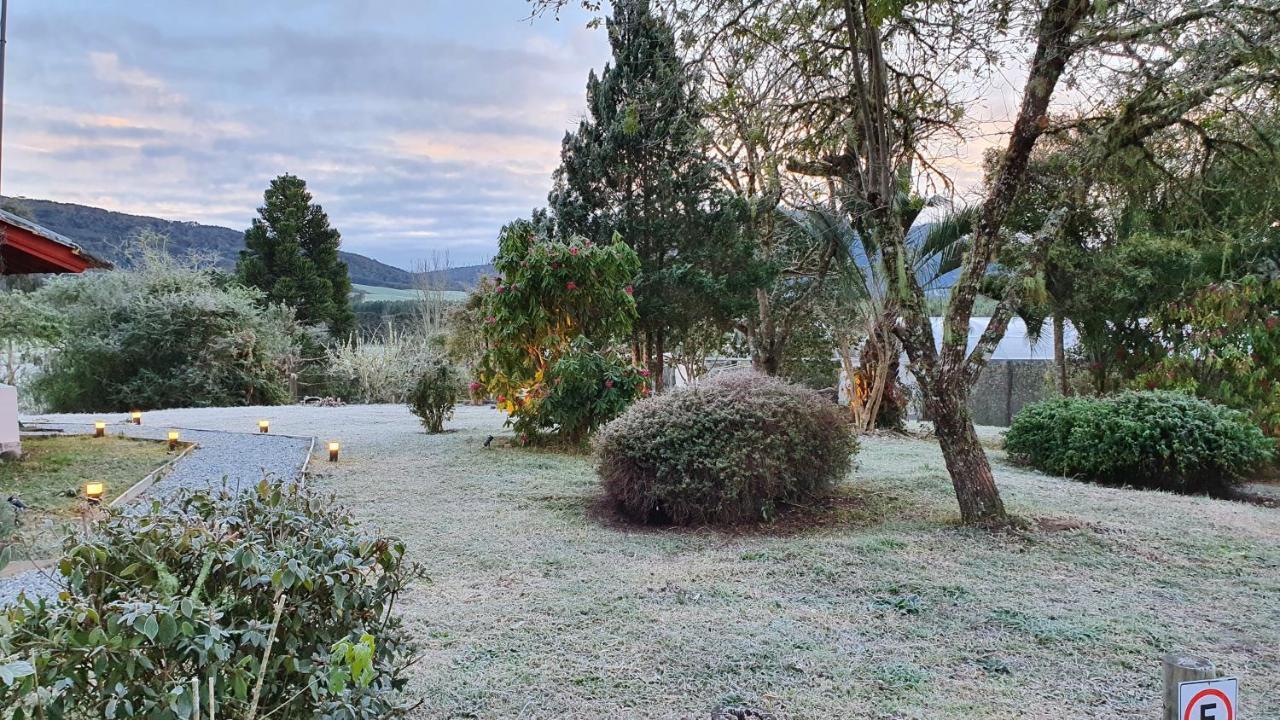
(291, 254)
(638, 165)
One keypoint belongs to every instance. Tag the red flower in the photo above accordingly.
(491, 320)
(644, 372)
(502, 288)
(474, 386)
(573, 251)
(608, 383)
(502, 398)
(629, 290)
(1272, 322)
(571, 285)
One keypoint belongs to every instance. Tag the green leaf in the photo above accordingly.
(151, 628)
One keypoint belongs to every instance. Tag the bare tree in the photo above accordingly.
(432, 305)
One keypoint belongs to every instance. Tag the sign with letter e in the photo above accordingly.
(1207, 700)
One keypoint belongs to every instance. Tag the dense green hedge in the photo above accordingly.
(733, 449)
(1162, 440)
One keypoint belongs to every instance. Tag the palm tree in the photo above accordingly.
(859, 309)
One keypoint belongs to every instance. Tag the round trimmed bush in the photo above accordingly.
(729, 450)
(1157, 439)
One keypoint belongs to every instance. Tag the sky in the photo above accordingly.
(421, 126)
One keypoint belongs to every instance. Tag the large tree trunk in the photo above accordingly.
(967, 463)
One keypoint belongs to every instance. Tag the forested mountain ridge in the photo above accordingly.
(109, 234)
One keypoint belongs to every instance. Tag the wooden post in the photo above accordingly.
(1179, 669)
(293, 387)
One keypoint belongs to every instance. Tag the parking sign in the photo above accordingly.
(1208, 700)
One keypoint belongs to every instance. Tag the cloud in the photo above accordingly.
(419, 126)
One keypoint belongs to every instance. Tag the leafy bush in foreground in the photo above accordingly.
(433, 397)
(1163, 440)
(728, 450)
(158, 599)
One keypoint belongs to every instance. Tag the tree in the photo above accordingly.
(550, 321)
(892, 79)
(637, 166)
(291, 254)
(1225, 346)
(749, 85)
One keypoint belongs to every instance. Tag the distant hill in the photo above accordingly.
(108, 234)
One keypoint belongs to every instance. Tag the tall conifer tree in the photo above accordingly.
(291, 254)
(638, 166)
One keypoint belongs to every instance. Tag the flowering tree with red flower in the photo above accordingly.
(552, 317)
(1225, 346)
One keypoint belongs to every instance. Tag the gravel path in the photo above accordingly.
(236, 460)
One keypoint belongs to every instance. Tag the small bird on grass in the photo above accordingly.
(488, 440)
(17, 503)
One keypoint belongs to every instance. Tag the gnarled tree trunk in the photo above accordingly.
(967, 463)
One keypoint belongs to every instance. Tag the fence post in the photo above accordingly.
(293, 387)
(1179, 669)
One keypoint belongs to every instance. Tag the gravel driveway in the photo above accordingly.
(227, 454)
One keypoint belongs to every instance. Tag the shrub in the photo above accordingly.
(163, 334)
(1225, 346)
(383, 368)
(433, 397)
(731, 449)
(550, 294)
(157, 599)
(585, 389)
(1154, 439)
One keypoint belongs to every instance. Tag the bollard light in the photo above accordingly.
(173, 439)
(136, 417)
(333, 451)
(264, 426)
(99, 429)
(95, 490)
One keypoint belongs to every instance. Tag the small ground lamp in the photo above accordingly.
(264, 426)
(333, 451)
(173, 439)
(99, 429)
(94, 491)
(136, 417)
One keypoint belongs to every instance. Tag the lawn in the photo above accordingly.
(539, 609)
(50, 478)
(374, 293)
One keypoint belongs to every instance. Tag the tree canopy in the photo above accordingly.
(291, 254)
(637, 166)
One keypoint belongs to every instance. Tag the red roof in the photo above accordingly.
(25, 247)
